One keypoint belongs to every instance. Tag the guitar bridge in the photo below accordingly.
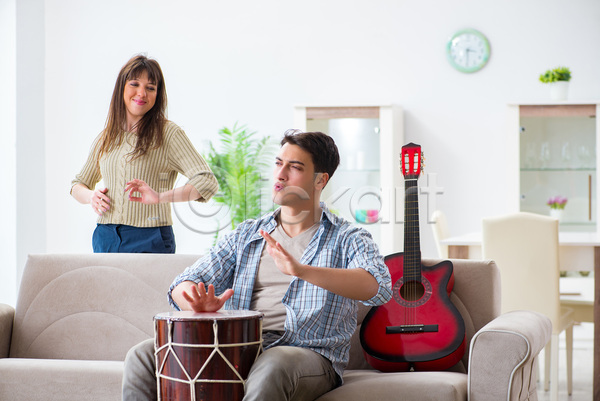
(411, 328)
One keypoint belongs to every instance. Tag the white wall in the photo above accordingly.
(253, 61)
(8, 146)
(31, 162)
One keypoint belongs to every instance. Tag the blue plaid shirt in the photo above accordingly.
(316, 318)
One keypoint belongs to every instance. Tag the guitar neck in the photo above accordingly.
(412, 247)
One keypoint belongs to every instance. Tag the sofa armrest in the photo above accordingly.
(503, 355)
(7, 316)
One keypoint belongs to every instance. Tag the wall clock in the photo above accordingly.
(468, 50)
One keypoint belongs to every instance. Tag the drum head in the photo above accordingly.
(218, 315)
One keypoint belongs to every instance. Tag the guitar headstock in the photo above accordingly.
(411, 160)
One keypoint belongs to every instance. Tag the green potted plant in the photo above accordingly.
(558, 78)
(239, 166)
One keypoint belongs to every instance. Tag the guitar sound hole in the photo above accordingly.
(412, 291)
(412, 294)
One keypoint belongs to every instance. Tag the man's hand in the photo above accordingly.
(350, 283)
(194, 297)
(283, 260)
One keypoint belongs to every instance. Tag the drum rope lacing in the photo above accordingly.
(216, 350)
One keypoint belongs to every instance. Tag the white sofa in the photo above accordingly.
(78, 315)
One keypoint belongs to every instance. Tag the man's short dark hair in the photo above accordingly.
(322, 148)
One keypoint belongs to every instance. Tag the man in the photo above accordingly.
(302, 266)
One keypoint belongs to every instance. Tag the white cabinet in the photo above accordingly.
(367, 188)
(554, 150)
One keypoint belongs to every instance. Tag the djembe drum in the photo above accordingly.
(205, 356)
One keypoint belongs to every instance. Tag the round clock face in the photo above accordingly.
(468, 50)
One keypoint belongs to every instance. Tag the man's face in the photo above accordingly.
(294, 176)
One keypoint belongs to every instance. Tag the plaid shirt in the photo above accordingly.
(316, 318)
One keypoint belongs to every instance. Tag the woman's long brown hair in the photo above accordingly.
(150, 127)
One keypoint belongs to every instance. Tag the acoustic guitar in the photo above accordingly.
(419, 328)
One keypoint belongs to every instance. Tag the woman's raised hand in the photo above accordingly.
(148, 195)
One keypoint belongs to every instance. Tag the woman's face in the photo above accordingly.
(139, 97)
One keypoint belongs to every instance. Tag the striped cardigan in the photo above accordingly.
(158, 168)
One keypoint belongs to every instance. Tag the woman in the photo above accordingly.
(138, 156)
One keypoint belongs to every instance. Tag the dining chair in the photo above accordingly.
(440, 232)
(525, 248)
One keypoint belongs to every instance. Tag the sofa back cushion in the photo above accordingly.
(91, 306)
(97, 306)
(476, 295)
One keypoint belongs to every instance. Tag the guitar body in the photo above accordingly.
(419, 328)
(415, 305)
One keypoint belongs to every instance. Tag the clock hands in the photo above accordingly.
(467, 50)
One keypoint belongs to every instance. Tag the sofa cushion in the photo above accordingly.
(60, 380)
(360, 385)
(91, 307)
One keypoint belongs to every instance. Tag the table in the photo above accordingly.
(577, 293)
(574, 248)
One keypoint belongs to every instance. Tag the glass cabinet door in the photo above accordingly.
(354, 190)
(363, 188)
(557, 157)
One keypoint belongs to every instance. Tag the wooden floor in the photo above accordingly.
(583, 335)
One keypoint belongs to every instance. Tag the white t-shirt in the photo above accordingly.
(271, 284)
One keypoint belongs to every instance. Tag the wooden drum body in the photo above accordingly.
(205, 356)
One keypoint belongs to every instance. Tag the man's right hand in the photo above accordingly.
(195, 297)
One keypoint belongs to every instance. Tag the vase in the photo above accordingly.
(559, 90)
(556, 213)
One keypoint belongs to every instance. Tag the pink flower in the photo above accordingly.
(557, 202)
